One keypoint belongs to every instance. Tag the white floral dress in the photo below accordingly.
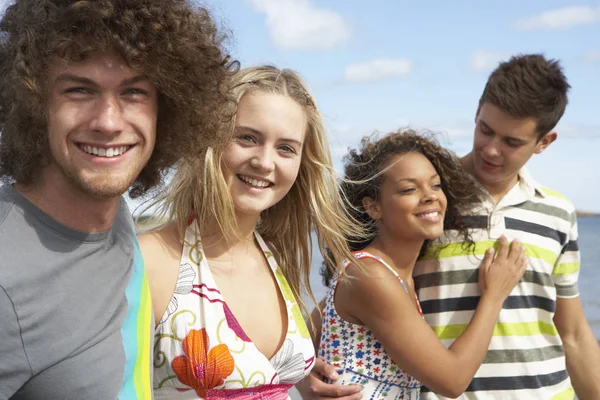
(202, 352)
(359, 356)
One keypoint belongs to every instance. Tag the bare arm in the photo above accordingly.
(581, 348)
(161, 252)
(317, 324)
(313, 387)
(410, 341)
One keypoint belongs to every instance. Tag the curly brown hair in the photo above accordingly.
(364, 172)
(176, 44)
(529, 86)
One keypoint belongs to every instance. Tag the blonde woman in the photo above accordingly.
(227, 273)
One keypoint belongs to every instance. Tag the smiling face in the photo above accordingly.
(101, 124)
(262, 163)
(411, 204)
(501, 147)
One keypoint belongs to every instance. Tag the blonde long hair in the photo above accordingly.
(314, 203)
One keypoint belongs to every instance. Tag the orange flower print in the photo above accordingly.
(201, 368)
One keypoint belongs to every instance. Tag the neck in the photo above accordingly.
(499, 190)
(496, 190)
(69, 206)
(400, 254)
(216, 245)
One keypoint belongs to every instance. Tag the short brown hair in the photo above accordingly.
(529, 86)
(176, 44)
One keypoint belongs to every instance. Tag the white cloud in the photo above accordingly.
(561, 18)
(377, 70)
(485, 60)
(298, 24)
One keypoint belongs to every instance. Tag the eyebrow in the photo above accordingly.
(414, 180)
(486, 126)
(66, 77)
(259, 133)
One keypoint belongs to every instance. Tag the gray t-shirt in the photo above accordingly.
(75, 314)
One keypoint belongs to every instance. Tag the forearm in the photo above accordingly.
(455, 369)
(315, 322)
(583, 363)
(472, 345)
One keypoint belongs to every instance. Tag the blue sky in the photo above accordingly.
(382, 64)
(385, 64)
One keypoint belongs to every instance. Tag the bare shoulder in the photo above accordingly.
(160, 246)
(368, 288)
(161, 250)
(368, 272)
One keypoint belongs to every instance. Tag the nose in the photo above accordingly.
(491, 149)
(263, 160)
(108, 116)
(429, 196)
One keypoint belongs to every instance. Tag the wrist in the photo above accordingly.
(491, 301)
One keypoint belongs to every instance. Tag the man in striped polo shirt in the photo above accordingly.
(542, 345)
(95, 97)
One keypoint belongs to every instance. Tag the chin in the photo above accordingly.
(435, 234)
(104, 188)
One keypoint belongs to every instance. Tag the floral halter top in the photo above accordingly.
(202, 352)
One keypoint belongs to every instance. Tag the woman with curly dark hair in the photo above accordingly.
(406, 189)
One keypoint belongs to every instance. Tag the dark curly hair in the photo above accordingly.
(176, 44)
(529, 86)
(364, 174)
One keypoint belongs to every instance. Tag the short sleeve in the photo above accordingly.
(14, 365)
(566, 269)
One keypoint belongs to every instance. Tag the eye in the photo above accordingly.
(78, 90)
(407, 190)
(438, 186)
(136, 92)
(513, 144)
(288, 149)
(246, 138)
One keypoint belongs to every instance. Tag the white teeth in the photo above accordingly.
(254, 182)
(102, 152)
(429, 215)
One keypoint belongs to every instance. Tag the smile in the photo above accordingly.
(431, 216)
(107, 152)
(258, 183)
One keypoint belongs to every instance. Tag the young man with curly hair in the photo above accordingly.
(542, 347)
(96, 97)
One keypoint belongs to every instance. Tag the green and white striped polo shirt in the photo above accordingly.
(525, 359)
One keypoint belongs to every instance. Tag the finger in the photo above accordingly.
(322, 368)
(320, 389)
(515, 251)
(503, 250)
(488, 258)
(525, 259)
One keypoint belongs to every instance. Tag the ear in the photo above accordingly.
(545, 141)
(372, 208)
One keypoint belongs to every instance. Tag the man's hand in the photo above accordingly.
(313, 388)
